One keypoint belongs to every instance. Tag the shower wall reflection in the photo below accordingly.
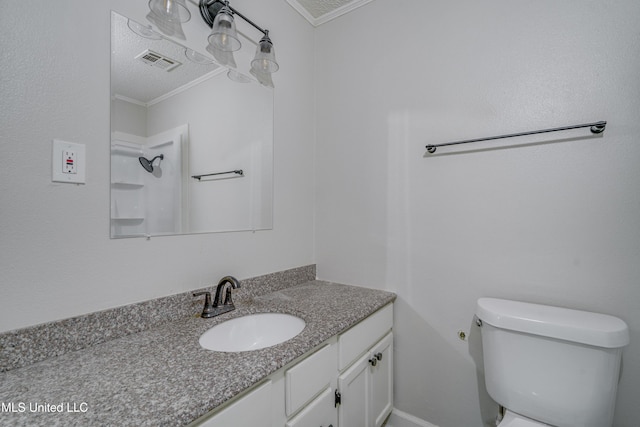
(149, 201)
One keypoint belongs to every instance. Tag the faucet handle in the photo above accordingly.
(207, 297)
(207, 311)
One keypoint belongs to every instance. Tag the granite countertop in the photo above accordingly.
(162, 376)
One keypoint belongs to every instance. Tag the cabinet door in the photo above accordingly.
(252, 410)
(353, 386)
(321, 412)
(367, 387)
(309, 377)
(382, 380)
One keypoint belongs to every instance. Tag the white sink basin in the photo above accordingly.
(252, 332)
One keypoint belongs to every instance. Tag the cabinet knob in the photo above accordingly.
(373, 361)
(379, 356)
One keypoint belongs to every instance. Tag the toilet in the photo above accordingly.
(550, 366)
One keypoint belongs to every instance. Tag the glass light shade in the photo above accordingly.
(143, 30)
(170, 10)
(263, 78)
(265, 60)
(172, 29)
(223, 35)
(237, 77)
(223, 58)
(196, 57)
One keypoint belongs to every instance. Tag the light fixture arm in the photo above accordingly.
(249, 21)
(208, 17)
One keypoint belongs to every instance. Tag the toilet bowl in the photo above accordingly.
(512, 419)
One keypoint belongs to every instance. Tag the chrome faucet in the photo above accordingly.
(217, 308)
(235, 284)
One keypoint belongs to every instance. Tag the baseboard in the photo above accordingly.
(403, 419)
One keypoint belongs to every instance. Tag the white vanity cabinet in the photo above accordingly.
(310, 377)
(250, 410)
(365, 383)
(320, 412)
(366, 388)
(381, 391)
(346, 382)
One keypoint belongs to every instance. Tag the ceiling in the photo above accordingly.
(320, 11)
(141, 82)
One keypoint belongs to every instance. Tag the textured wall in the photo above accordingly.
(557, 222)
(56, 256)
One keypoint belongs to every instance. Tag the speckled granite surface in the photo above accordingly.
(162, 377)
(23, 347)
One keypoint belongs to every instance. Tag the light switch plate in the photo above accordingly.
(68, 162)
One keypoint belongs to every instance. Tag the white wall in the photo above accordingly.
(227, 130)
(56, 257)
(555, 223)
(129, 118)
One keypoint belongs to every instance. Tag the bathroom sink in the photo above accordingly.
(252, 332)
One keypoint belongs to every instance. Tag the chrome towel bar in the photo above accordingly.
(597, 127)
(237, 172)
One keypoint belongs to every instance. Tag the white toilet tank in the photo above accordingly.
(554, 365)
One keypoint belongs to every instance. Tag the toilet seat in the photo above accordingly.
(512, 419)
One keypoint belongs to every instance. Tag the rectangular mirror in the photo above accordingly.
(191, 150)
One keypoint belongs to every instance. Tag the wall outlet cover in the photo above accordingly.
(68, 162)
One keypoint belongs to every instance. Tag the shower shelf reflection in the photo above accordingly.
(125, 150)
(125, 184)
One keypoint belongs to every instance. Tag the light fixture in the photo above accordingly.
(222, 41)
(223, 35)
(170, 10)
(265, 59)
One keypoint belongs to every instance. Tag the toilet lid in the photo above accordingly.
(514, 420)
